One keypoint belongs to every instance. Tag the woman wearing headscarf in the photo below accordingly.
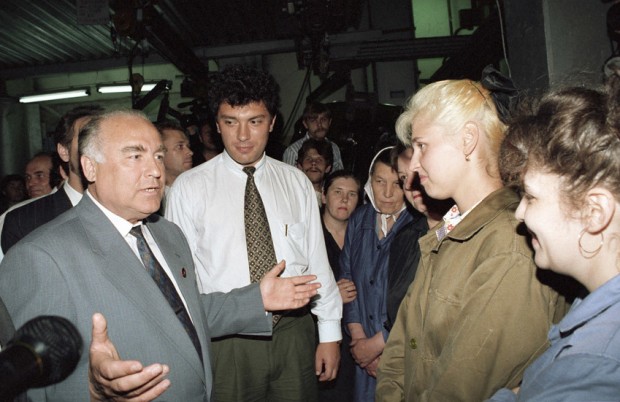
(364, 260)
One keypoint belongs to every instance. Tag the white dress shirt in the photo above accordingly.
(207, 202)
(73, 195)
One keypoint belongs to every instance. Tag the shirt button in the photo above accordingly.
(372, 281)
(378, 247)
(370, 316)
(413, 344)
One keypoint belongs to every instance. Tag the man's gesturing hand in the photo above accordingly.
(286, 293)
(113, 379)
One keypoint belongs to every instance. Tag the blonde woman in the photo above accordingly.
(476, 314)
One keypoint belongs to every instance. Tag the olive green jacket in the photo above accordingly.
(474, 317)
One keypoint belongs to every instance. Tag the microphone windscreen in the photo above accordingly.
(56, 342)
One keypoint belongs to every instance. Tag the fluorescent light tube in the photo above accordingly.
(114, 89)
(54, 96)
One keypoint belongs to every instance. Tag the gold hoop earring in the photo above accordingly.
(589, 253)
(467, 158)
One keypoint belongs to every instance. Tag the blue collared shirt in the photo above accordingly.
(583, 361)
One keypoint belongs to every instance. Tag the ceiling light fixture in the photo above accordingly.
(115, 89)
(74, 93)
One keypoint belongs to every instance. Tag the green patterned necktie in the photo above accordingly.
(261, 254)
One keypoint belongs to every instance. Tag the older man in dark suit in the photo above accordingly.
(93, 258)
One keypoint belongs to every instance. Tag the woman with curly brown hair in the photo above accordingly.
(566, 153)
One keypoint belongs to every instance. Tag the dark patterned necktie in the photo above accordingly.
(165, 286)
(261, 254)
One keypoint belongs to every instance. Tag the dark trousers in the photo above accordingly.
(267, 369)
(340, 389)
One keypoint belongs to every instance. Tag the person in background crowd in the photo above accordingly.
(477, 313)
(364, 260)
(315, 160)
(317, 118)
(341, 195)
(178, 157)
(40, 175)
(565, 152)
(405, 251)
(209, 143)
(12, 191)
(23, 220)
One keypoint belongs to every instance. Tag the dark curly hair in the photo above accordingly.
(239, 85)
(571, 132)
(323, 148)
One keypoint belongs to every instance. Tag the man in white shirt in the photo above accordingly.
(317, 118)
(207, 202)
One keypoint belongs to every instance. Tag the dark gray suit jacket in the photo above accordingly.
(79, 264)
(6, 326)
(23, 220)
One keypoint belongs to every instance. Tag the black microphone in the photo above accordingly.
(44, 351)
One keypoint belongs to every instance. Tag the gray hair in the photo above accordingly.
(89, 142)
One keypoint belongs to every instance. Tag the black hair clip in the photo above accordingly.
(503, 91)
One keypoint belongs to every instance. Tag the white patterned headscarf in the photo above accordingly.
(371, 197)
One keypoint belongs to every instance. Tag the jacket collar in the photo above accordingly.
(594, 304)
(480, 216)
(490, 207)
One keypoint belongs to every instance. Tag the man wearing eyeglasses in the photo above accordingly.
(317, 118)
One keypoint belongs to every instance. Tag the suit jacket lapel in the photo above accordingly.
(124, 269)
(185, 277)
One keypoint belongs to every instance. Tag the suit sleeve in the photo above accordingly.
(6, 325)
(31, 285)
(239, 311)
